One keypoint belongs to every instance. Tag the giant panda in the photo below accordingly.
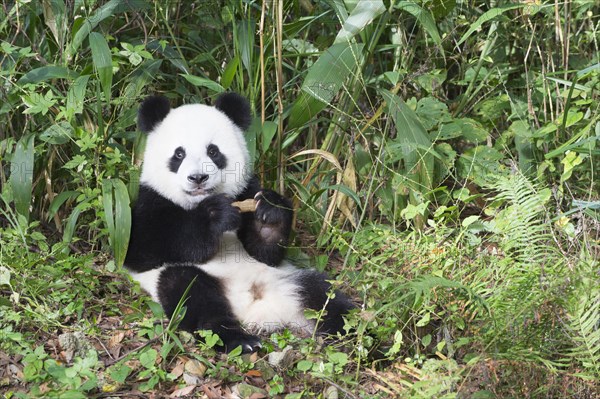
(186, 233)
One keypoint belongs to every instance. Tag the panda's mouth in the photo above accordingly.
(199, 191)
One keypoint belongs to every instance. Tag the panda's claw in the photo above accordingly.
(271, 207)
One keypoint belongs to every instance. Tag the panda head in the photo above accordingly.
(195, 150)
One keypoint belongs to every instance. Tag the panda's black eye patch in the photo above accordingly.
(216, 156)
(176, 159)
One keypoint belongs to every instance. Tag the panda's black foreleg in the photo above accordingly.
(315, 293)
(207, 308)
(265, 232)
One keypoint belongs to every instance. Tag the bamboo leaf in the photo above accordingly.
(424, 17)
(268, 132)
(117, 216)
(105, 11)
(21, 174)
(488, 16)
(203, 82)
(47, 73)
(413, 141)
(102, 58)
(324, 80)
(362, 15)
(59, 200)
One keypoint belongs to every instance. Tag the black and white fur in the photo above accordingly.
(185, 230)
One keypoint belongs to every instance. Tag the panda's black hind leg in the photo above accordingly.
(314, 291)
(207, 308)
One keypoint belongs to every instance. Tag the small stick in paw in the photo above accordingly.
(248, 205)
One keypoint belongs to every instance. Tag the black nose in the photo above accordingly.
(197, 178)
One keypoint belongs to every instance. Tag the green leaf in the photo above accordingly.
(426, 340)
(304, 365)
(203, 82)
(102, 58)
(487, 16)
(72, 221)
(76, 96)
(148, 358)
(229, 72)
(59, 133)
(59, 200)
(424, 17)
(117, 217)
(413, 141)
(424, 320)
(54, 16)
(4, 276)
(269, 131)
(362, 15)
(324, 80)
(45, 73)
(21, 174)
(105, 11)
(339, 358)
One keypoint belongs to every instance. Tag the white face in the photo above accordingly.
(196, 151)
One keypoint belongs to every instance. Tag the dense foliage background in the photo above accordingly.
(442, 153)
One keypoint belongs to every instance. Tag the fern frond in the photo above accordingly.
(521, 223)
(584, 318)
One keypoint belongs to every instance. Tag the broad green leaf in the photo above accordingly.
(244, 42)
(103, 12)
(59, 133)
(488, 16)
(117, 216)
(72, 222)
(229, 72)
(441, 8)
(148, 358)
(59, 200)
(324, 80)
(47, 73)
(102, 58)
(304, 365)
(203, 82)
(119, 372)
(570, 161)
(21, 174)
(524, 145)
(414, 142)
(424, 17)
(468, 128)
(76, 96)
(269, 131)
(424, 320)
(363, 14)
(54, 17)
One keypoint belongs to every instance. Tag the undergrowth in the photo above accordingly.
(441, 156)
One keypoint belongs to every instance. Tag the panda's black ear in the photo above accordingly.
(236, 108)
(152, 111)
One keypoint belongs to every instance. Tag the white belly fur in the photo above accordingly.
(262, 297)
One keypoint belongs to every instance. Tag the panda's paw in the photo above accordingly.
(249, 343)
(222, 215)
(272, 208)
